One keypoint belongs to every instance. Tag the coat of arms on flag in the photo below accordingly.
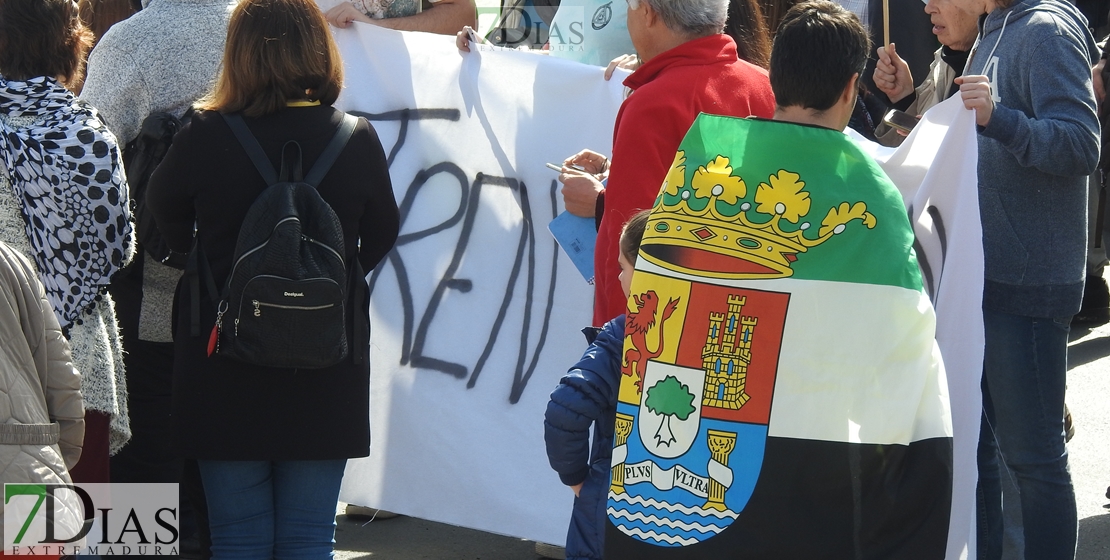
(782, 392)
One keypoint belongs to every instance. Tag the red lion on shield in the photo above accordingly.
(636, 327)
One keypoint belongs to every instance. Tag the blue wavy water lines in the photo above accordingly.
(665, 524)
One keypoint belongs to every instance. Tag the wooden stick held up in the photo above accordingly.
(886, 22)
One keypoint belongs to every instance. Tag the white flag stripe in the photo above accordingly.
(936, 171)
(854, 384)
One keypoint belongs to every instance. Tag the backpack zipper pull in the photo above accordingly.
(257, 311)
(217, 329)
(213, 340)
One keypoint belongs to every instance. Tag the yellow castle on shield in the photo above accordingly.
(726, 356)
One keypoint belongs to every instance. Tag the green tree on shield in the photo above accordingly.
(669, 397)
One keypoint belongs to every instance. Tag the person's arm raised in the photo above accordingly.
(892, 74)
(445, 17)
(344, 14)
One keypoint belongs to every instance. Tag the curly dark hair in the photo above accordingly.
(42, 38)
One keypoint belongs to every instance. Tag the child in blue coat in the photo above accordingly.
(587, 395)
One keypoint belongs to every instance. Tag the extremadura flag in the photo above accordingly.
(782, 394)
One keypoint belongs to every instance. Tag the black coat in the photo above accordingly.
(227, 410)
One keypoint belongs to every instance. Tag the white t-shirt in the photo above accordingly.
(590, 31)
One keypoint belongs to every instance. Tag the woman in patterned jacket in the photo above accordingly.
(63, 205)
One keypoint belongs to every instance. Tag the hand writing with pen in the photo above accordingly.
(582, 176)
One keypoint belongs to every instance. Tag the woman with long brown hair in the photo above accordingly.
(747, 27)
(271, 441)
(773, 10)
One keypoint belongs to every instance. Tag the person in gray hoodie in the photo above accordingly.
(1029, 82)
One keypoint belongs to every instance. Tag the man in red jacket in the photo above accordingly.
(689, 67)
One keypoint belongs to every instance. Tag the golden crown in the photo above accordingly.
(693, 227)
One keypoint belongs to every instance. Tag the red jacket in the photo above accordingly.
(670, 90)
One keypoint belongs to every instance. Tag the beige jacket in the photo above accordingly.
(42, 421)
(931, 92)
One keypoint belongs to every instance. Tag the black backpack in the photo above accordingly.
(284, 302)
(140, 157)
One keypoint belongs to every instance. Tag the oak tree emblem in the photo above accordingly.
(669, 397)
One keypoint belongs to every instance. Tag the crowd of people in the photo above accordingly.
(109, 345)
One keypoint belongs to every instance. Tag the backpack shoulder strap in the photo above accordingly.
(197, 270)
(332, 151)
(253, 148)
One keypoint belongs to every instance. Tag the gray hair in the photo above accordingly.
(695, 18)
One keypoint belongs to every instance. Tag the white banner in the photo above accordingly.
(935, 168)
(476, 313)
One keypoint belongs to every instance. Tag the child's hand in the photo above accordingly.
(577, 488)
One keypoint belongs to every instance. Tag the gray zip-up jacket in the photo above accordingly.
(1034, 156)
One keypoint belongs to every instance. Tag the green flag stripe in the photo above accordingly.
(825, 171)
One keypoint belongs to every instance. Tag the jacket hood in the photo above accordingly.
(1073, 21)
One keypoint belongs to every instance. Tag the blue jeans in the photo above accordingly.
(1024, 370)
(272, 509)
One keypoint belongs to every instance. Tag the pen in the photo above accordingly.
(558, 168)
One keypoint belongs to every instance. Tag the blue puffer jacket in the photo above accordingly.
(586, 395)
